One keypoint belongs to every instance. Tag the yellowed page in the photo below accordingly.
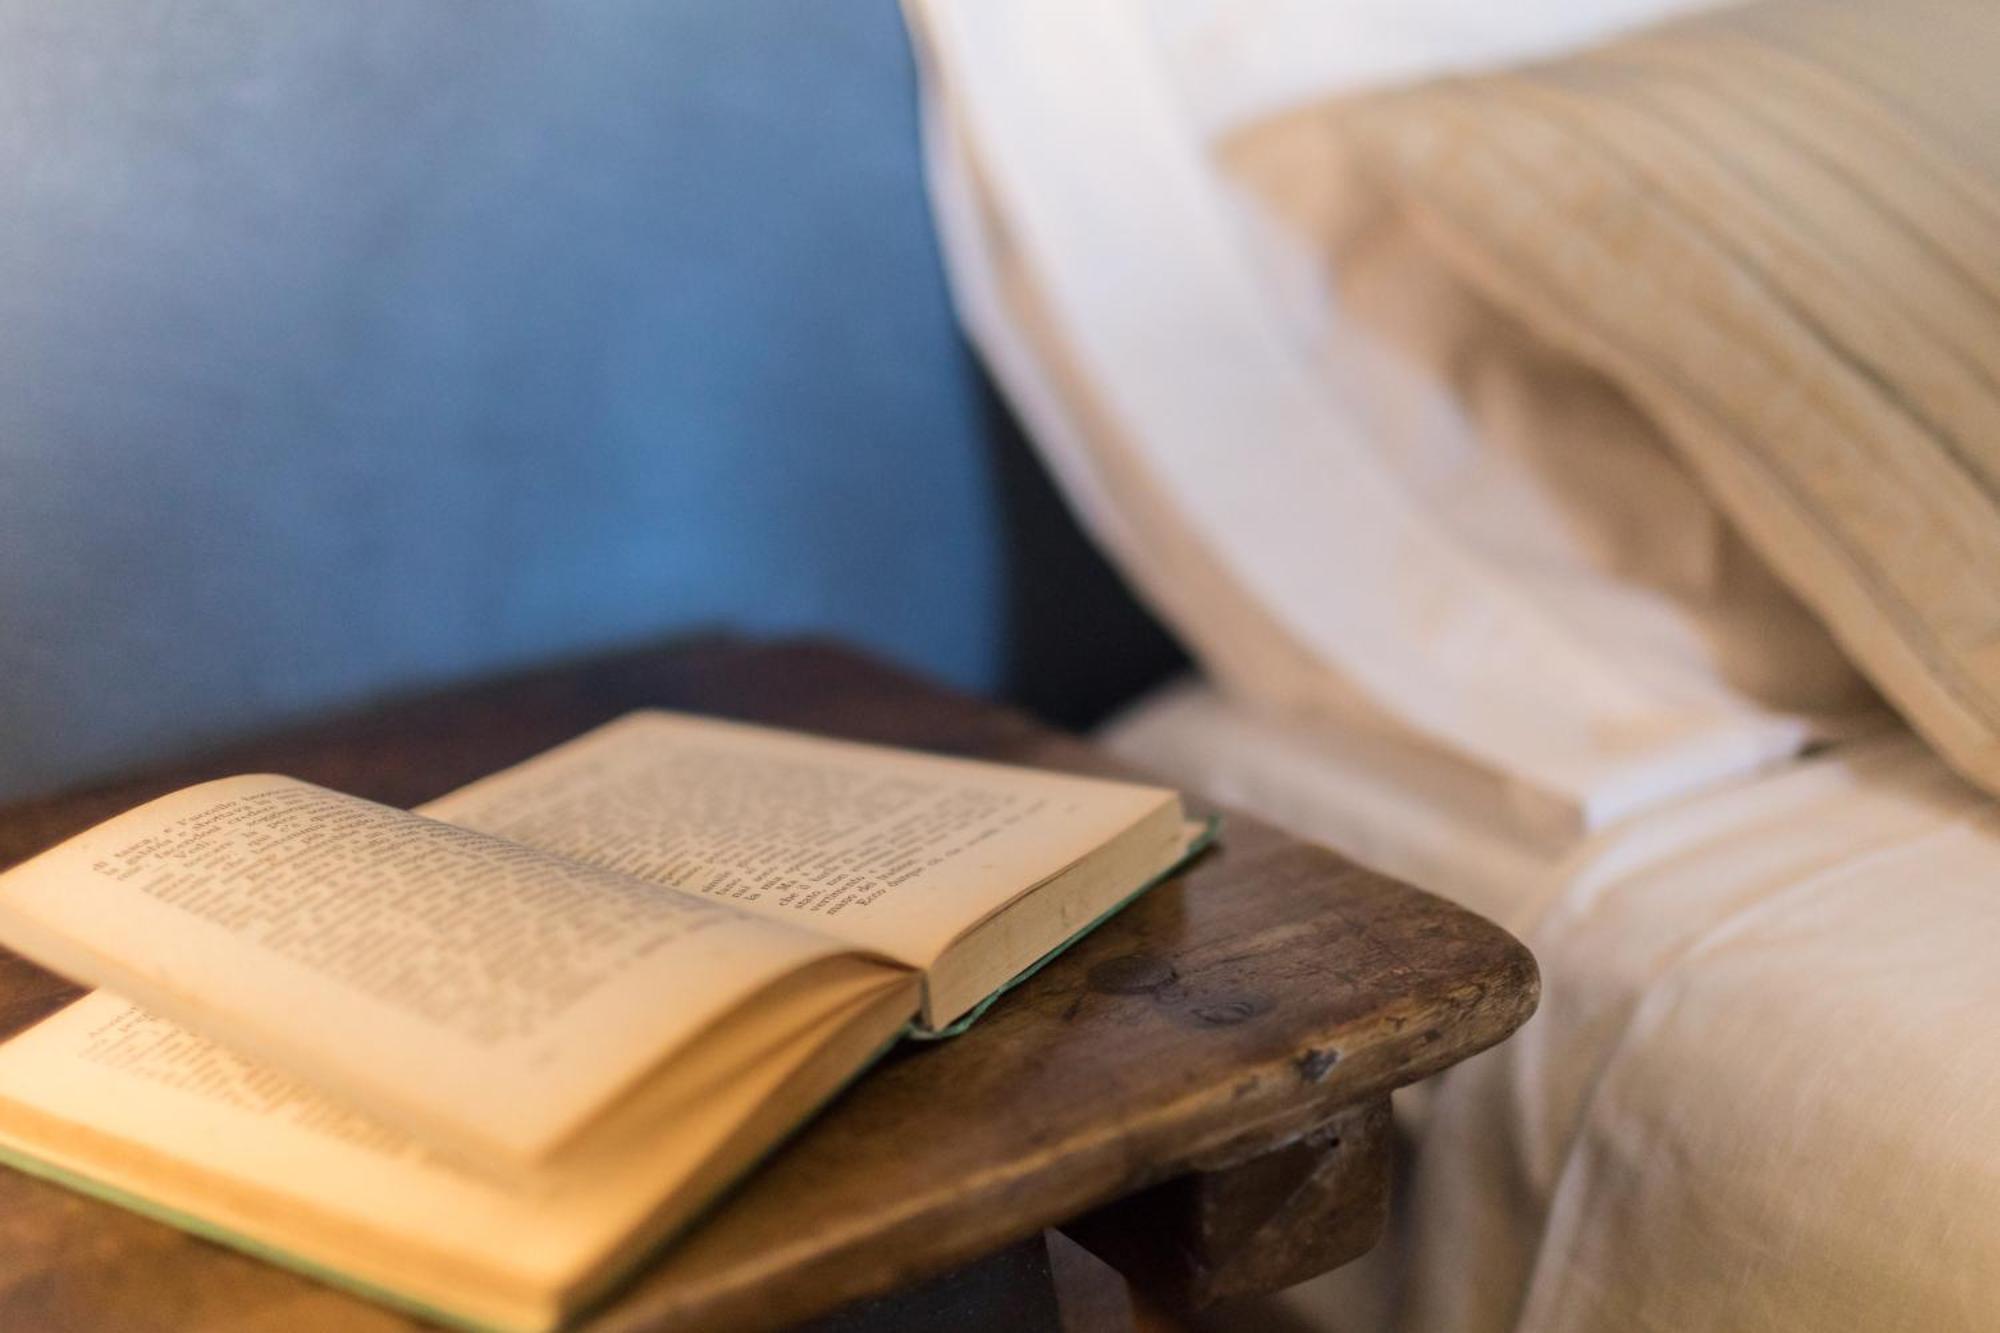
(475, 991)
(129, 1100)
(885, 849)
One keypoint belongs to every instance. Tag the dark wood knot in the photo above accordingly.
(1133, 974)
(1316, 1065)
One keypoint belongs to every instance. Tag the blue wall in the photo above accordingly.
(349, 348)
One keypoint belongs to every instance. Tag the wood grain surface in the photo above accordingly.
(1229, 1014)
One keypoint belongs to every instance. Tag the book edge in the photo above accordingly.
(195, 1224)
(1211, 828)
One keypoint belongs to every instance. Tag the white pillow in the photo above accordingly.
(1314, 512)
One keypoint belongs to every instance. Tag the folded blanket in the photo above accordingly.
(1776, 229)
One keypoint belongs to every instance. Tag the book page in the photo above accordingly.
(885, 849)
(478, 991)
(126, 1100)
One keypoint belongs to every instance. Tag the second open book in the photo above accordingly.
(480, 1056)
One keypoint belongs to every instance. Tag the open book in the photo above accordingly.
(480, 1057)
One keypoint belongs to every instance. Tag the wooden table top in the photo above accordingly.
(1229, 1010)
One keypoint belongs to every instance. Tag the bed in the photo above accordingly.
(1485, 593)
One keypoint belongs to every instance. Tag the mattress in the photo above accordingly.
(1763, 1088)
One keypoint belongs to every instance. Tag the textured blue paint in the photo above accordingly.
(347, 348)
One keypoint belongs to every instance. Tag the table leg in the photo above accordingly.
(1250, 1225)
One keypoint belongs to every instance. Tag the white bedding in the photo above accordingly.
(1763, 1088)
(1763, 1091)
(1388, 802)
(1215, 421)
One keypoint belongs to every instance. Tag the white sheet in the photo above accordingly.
(1763, 1088)
(1272, 511)
(1386, 801)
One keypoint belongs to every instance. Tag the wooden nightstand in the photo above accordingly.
(1199, 1091)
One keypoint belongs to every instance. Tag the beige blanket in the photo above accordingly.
(1777, 230)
